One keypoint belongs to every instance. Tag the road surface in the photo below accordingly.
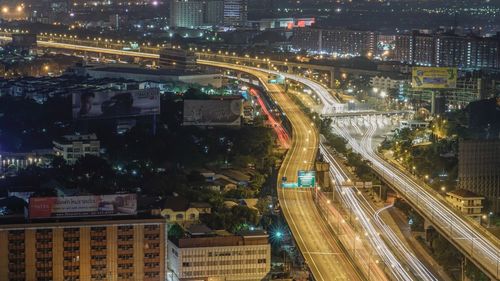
(319, 247)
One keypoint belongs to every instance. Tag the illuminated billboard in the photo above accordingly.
(434, 77)
(82, 206)
(306, 179)
(116, 104)
(226, 111)
(276, 79)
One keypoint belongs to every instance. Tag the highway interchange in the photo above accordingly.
(313, 235)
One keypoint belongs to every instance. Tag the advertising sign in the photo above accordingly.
(306, 179)
(116, 104)
(82, 206)
(213, 112)
(434, 77)
(276, 79)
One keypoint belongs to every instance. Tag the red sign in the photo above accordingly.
(82, 206)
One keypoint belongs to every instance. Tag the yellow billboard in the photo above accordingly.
(434, 77)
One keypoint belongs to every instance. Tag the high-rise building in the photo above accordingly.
(423, 49)
(479, 169)
(186, 13)
(235, 12)
(335, 41)
(196, 13)
(415, 48)
(403, 48)
(448, 50)
(213, 12)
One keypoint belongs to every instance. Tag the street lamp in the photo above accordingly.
(489, 218)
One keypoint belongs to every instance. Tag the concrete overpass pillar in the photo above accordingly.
(332, 79)
(429, 230)
(433, 103)
(289, 69)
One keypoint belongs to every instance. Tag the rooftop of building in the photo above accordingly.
(218, 238)
(16, 222)
(78, 137)
(465, 194)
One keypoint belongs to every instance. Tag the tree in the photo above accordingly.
(175, 232)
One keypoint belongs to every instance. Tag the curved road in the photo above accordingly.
(315, 240)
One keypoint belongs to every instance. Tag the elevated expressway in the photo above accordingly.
(478, 245)
(318, 245)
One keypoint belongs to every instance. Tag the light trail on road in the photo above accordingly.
(366, 214)
(315, 240)
(476, 244)
(283, 137)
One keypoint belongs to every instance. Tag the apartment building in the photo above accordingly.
(339, 42)
(241, 257)
(467, 202)
(125, 249)
(448, 49)
(72, 147)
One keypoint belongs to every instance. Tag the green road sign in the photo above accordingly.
(307, 179)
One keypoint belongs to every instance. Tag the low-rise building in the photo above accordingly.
(388, 83)
(468, 202)
(178, 210)
(72, 147)
(413, 124)
(208, 256)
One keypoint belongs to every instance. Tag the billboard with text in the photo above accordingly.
(116, 104)
(306, 179)
(213, 112)
(82, 206)
(434, 77)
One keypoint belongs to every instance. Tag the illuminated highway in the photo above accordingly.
(319, 247)
(481, 247)
(388, 246)
(476, 243)
(283, 137)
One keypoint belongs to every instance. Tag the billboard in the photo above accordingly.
(434, 77)
(213, 112)
(82, 206)
(306, 179)
(276, 79)
(116, 104)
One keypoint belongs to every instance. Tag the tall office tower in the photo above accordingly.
(186, 13)
(479, 169)
(213, 12)
(235, 12)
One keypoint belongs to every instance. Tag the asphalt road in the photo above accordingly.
(312, 235)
